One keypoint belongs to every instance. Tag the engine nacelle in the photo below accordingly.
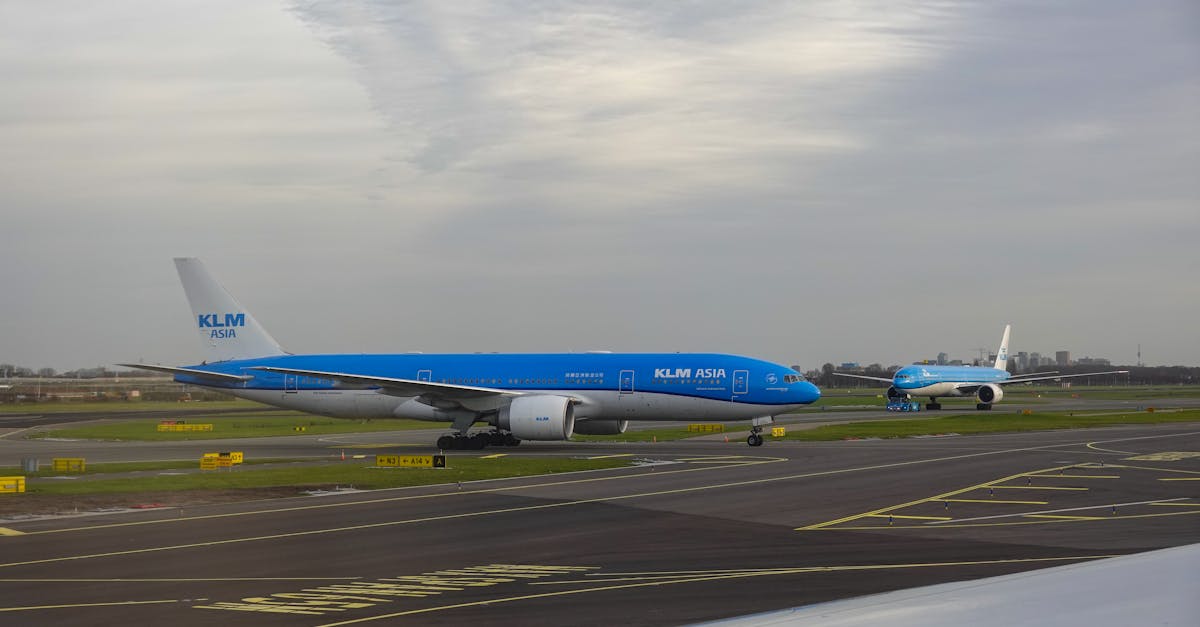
(601, 427)
(539, 417)
(989, 393)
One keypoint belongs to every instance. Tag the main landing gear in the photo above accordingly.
(755, 438)
(983, 406)
(476, 442)
(933, 404)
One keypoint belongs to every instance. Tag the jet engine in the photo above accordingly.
(892, 392)
(601, 427)
(539, 417)
(989, 393)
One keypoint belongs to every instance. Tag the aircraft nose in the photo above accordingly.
(810, 392)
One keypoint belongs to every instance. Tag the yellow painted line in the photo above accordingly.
(927, 526)
(5, 531)
(1178, 504)
(1181, 479)
(995, 501)
(55, 607)
(1067, 517)
(494, 456)
(937, 498)
(716, 577)
(1154, 469)
(1035, 487)
(611, 456)
(912, 517)
(1075, 476)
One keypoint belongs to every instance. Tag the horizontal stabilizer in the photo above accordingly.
(192, 372)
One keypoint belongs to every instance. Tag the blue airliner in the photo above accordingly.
(981, 382)
(520, 396)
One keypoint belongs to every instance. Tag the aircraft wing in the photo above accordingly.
(192, 372)
(400, 387)
(863, 376)
(1059, 376)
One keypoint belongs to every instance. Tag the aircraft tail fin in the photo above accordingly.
(1002, 354)
(227, 330)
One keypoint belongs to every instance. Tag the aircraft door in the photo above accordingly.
(626, 382)
(291, 383)
(425, 375)
(741, 382)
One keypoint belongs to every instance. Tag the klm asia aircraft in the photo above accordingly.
(521, 396)
(981, 382)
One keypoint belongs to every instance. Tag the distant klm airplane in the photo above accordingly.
(521, 396)
(981, 382)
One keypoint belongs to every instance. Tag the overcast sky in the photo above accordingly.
(799, 181)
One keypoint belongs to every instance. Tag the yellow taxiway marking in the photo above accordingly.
(994, 501)
(1067, 517)
(692, 579)
(494, 456)
(1165, 456)
(933, 499)
(55, 607)
(927, 526)
(1034, 487)
(612, 456)
(5, 531)
(1181, 479)
(1075, 476)
(911, 517)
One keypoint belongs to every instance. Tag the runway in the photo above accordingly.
(709, 530)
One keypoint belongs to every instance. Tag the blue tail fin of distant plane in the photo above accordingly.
(227, 330)
(1002, 354)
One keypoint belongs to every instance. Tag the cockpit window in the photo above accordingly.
(903, 377)
(792, 378)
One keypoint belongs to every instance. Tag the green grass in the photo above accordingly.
(357, 474)
(115, 467)
(257, 425)
(121, 406)
(987, 422)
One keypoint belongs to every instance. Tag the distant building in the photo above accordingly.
(1022, 361)
(1062, 358)
(941, 360)
(1094, 361)
(849, 365)
(955, 362)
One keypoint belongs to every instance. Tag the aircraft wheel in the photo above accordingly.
(933, 406)
(754, 440)
(479, 441)
(447, 443)
(983, 406)
(511, 440)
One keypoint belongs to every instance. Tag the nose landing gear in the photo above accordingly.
(755, 438)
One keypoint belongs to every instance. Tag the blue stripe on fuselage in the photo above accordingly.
(703, 375)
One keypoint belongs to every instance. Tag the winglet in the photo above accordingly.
(227, 330)
(1002, 354)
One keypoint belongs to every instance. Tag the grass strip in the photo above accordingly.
(267, 424)
(358, 475)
